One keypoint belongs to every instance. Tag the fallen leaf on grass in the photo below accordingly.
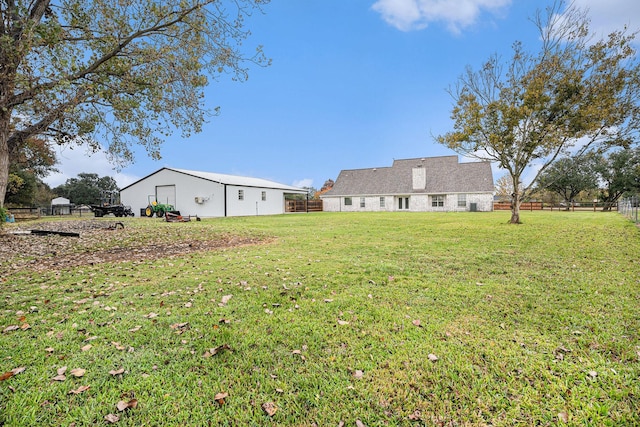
(216, 350)
(112, 418)
(416, 416)
(136, 329)
(115, 372)
(25, 326)
(563, 416)
(123, 406)
(432, 357)
(298, 352)
(118, 346)
(78, 372)
(11, 373)
(220, 397)
(11, 328)
(225, 299)
(416, 323)
(360, 424)
(183, 325)
(80, 389)
(86, 347)
(342, 322)
(269, 408)
(358, 374)
(151, 315)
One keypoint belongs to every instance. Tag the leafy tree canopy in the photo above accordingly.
(569, 176)
(619, 173)
(123, 71)
(534, 107)
(87, 188)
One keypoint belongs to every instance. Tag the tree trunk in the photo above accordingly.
(4, 156)
(515, 208)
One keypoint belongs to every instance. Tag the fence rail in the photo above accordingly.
(24, 214)
(536, 206)
(303, 206)
(629, 208)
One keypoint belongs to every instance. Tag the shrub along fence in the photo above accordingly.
(629, 208)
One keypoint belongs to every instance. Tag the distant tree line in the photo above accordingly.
(605, 177)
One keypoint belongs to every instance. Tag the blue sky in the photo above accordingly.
(353, 84)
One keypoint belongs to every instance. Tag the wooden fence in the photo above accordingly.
(537, 206)
(525, 206)
(303, 205)
(24, 214)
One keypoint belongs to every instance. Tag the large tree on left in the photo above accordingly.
(124, 71)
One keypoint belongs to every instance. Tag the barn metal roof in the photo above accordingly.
(242, 181)
(443, 175)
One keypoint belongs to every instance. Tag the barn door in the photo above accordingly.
(166, 194)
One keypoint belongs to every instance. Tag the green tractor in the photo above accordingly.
(157, 209)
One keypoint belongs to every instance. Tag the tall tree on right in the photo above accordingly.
(619, 174)
(533, 108)
(569, 176)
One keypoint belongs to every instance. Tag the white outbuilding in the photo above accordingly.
(60, 206)
(208, 194)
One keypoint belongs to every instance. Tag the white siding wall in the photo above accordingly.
(417, 203)
(212, 195)
(187, 189)
(252, 203)
(331, 204)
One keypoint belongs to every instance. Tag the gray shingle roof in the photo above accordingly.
(443, 175)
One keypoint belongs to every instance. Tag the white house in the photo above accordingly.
(208, 194)
(421, 184)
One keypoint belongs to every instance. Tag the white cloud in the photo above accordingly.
(610, 15)
(407, 15)
(302, 183)
(79, 159)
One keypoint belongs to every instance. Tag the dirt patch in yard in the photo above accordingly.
(103, 241)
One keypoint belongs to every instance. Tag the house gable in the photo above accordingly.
(427, 175)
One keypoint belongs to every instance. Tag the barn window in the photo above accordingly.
(362, 202)
(382, 201)
(347, 201)
(462, 200)
(264, 196)
(240, 194)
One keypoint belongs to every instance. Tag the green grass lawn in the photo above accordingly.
(384, 318)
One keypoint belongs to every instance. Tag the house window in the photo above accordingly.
(382, 202)
(437, 201)
(347, 201)
(264, 196)
(240, 194)
(462, 200)
(362, 202)
(403, 203)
